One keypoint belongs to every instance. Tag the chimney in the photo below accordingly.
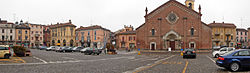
(223, 22)
(146, 10)
(81, 27)
(214, 22)
(199, 9)
(70, 21)
(0, 20)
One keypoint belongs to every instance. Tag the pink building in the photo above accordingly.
(241, 37)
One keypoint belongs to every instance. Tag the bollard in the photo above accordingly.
(139, 51)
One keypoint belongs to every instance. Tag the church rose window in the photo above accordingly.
(172, 18)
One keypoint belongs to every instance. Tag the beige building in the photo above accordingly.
(22, 35)
(62, 34)
(92, 36)
(223, 34)
(36, 34)
(126, 38)
(7, 33)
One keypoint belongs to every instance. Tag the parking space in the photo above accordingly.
(12, 60)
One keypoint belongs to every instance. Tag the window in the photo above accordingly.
(19, 38)
(237, 33)
(20, 32)
(32, 38)
(82, 33)
(95, 32)
(243, 53)
(95, 37)
(26, 37)
(10, 30)
(2, 30)
(153, 31)
(237, 39)
(230, 49)
(130, 38)
(2, 37)
(11, 37)
(40, 32)
(26, 32)
(122, 38)
(240, 33)
(41, 38)
(88, 32)
(77, 36)
(245, 39)
(71, 29)
(134, 38)
(32, 32)
(192, 31)
(245, 33)
(224, 49)
(231, 37)
(82, 39)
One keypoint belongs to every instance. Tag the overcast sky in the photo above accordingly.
(114, 14)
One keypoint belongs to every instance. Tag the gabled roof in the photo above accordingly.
(226, 25)
(170, 2)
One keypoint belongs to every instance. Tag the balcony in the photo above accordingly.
(228, 34)
(37, 35)
(217, 34)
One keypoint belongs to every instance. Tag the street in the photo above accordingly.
(52, 62)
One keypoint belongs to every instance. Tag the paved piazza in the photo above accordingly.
(165, 62)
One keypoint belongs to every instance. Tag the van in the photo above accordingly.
(5, 51)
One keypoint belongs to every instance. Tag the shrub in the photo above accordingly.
(19, 51)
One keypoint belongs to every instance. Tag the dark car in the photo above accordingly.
(93, 51)
(189, 53)
(235, 60)
(65, 49)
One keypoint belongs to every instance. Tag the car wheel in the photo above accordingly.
(217, 55)
(98, 53)
(64, 51)
(6, 56)
(184, 56)
(234, 67)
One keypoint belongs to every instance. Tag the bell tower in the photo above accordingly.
(190, 4)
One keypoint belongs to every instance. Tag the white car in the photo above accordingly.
(222, 51)
(84, 49)
(51, 48)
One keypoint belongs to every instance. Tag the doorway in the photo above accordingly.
(153, 46)
(172, 45)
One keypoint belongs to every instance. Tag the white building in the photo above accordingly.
(7, 33)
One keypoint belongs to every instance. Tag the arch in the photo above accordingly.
(64, 42)
(192, 45)
(71, 42)
(171, 35)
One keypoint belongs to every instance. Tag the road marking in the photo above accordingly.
(40, 59)
(184, 70)
(211, 59)
(148, 65)
(21, 59)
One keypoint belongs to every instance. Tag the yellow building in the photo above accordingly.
(223, 34)
(62, 34)
(22, 35)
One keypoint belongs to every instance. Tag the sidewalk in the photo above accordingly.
(125, 52)
(199, 51)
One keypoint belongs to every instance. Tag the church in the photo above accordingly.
(174, 25)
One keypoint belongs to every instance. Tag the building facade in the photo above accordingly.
(126, 38)
(93, 36)
(174, 25)
(62, 34)
(241, 37)
(22, 35)
(46, 36)
(7, 33)
(248, 29)
(223, 34)
(36, 34)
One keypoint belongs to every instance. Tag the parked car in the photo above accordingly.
(84, 49)
(58, 48)
(77, 49)
(43, 47)
(66, 49)
(27, 52)
(94, 51)
(222, 51)
(189, 53)
(235, 60)
(5, 51)
(51, 48)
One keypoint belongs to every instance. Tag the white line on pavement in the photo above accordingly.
(211, 59)
(40, 59)
(143, 67)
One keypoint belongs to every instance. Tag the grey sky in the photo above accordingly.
(113, 14)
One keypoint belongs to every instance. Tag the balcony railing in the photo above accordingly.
(217, 34)
(228, 34)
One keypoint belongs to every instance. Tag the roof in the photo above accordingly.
(62, 25)
(91, 27)
(241, 29)
(22, 26)
(248, 28)
(175, 2)
(226, 25)
(126, 33)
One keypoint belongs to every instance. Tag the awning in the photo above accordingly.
(58, 44)
(238, 43)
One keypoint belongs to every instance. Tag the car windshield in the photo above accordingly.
(228, 53)
(3, 48)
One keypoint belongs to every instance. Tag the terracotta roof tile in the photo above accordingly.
(91, 27)
(227, 25)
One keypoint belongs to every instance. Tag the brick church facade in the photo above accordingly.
(174, 25)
